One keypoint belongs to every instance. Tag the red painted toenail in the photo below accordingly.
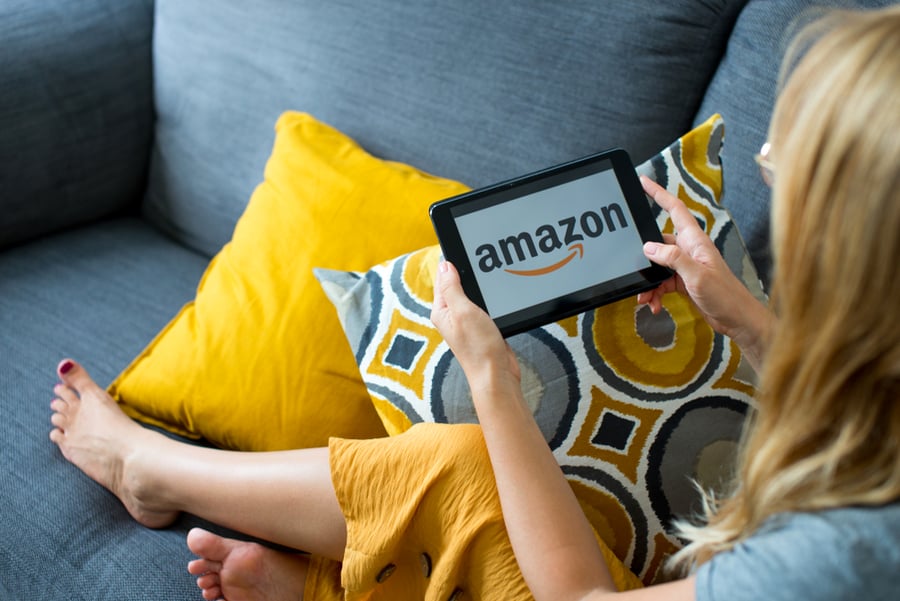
(66, 367)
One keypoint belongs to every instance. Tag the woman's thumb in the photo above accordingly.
(445, 284)
(448, 287)
(671, 256)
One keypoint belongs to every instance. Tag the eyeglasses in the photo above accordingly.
(766, 167)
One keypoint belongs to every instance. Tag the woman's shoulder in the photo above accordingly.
(880, 524)
(851, 552)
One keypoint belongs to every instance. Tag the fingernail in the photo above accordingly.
(66, 366)
(650, 248)
(443, 267)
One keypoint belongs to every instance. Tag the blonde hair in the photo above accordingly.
(827, 432)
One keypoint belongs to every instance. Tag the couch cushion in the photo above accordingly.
(75, 112)
(475, 91)
(98, 294)
(743, 92)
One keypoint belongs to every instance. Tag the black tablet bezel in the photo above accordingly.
(443, 215)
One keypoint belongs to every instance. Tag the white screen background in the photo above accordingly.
(610, 255)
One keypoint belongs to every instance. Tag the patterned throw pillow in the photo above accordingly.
(634, 406)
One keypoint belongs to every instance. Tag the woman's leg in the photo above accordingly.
(286, 497)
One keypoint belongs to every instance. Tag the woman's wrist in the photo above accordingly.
(754, 332)
(492, 381)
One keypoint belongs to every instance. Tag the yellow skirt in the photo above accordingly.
(423, 522)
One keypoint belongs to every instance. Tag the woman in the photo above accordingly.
(815, 512)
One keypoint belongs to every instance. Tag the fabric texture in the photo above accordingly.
(258, 360)
(76, 112)
(97, 293)
(834, 555)
(424, 521)
(633, 405)
(474, 91)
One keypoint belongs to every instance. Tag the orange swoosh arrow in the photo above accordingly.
(577, 249)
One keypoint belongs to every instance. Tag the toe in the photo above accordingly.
(56, 436)
(209, 581)
(75, 376)
(65, 366)
(207, 545)
(66, 394)
(60, 421)
(199, 567)
(212, 594)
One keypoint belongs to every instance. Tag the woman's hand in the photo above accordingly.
(702, 274)
(471, 333)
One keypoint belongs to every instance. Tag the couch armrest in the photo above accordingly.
(76, 111)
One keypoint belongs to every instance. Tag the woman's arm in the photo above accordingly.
(551, 537)
(703, 275)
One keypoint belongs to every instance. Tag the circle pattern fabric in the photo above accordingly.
(635, 407)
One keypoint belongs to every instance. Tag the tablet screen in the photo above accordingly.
(551, 243)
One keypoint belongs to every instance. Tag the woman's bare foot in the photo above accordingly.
(240, 571)
(97, 437)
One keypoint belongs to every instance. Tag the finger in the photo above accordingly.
(449, 287)
(682, 218)
(438, 302)
(673, 257)
(655, 303)
(646, 297)
(449, 297)
(653, 298)
(670, 238)
(664, 288)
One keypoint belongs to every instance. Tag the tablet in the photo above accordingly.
(544, 246)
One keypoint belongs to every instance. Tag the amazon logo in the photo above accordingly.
(548, 240)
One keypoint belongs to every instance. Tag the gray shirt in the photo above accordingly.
(846, 554)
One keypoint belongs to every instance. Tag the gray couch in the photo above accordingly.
(132, 134)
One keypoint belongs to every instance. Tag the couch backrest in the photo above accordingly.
(76, 112)
(472, 90)
(743, 92)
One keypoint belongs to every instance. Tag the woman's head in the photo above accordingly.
(828, 430)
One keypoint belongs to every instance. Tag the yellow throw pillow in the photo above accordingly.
(258, 360)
